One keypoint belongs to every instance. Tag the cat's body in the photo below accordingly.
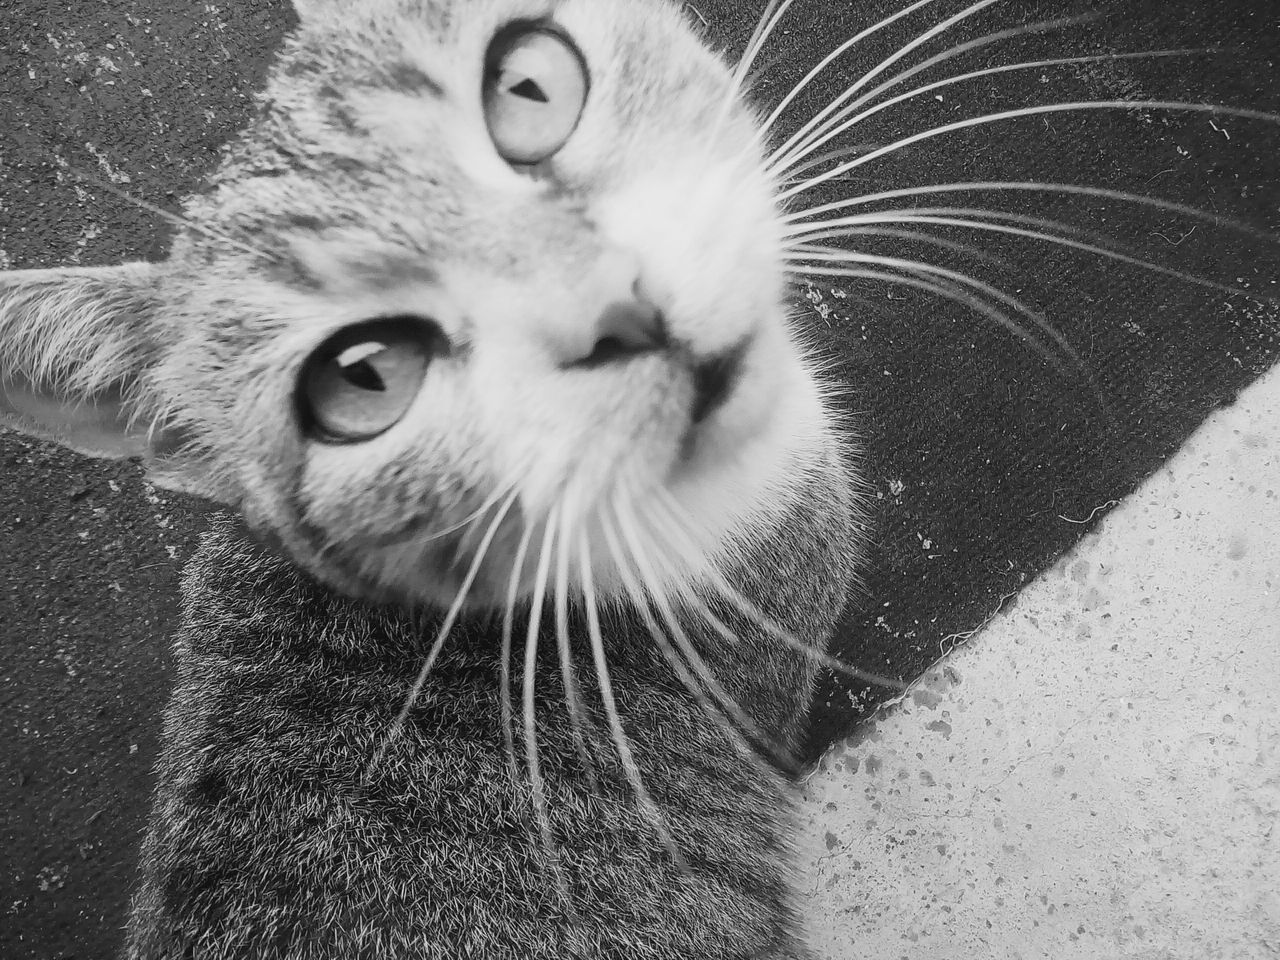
(470, 385)
(275, 836)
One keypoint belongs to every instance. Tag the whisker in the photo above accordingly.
(630, 768)
(759, 70)
(846, 119)
(172, 218)
(994, 293)
(805, 131)
(390, 539)
(537, 786)
(956, 293)
(1092, 248)
(794, 169)
(696, 12)
(1042, 110)
(455, 609)
(489, 501)
(688, 597)
(640, 600)
(629, 529)
(669, 513)
(948, 292)
(832, 228)
(332, 541)
(830, 58)
(764, 27)
(869, 228)
(768, 22)
(1029, 186)
(442, 634)
(572, 693)
(504, 661)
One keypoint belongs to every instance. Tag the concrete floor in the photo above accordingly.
(1096, 774)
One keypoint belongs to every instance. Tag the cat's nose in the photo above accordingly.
(624, 329)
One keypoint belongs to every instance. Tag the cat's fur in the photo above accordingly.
(294, 816)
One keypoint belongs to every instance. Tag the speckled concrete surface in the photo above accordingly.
(1097, 773)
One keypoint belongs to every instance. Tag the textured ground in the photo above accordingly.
(984, 461)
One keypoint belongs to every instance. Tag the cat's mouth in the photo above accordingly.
(715, 379)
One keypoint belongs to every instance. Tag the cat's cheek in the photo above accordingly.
(754, 453)
(771, 376)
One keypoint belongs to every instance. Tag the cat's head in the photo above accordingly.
(477, 265)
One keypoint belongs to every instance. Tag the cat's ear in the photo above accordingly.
(77, 349)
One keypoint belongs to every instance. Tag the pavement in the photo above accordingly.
(986, 466)
(1096, 773)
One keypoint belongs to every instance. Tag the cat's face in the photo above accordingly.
(511, 261)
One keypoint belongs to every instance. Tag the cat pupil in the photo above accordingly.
(363, 375)
(530, 90)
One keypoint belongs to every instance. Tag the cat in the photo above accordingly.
(541, 511)
(440, 333)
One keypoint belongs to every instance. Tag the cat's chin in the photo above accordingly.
(614, 554)
(618, 548)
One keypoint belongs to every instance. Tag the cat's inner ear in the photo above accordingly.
(76, 349)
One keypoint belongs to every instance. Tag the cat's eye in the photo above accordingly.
(535, 86)
(361, 381)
